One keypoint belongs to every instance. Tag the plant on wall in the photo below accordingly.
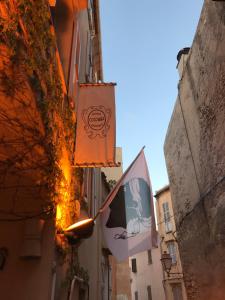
(38, 141)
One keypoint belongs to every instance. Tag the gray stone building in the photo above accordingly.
(194, 151)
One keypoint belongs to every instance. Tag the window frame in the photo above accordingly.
(149, 253)
(167, 217)
(172, 246)
(136, 295)
(134, 265)
(149, 292)
(178, 295)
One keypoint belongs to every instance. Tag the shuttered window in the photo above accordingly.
(172, 251)
(136, 295)
(167, 217)
(177, 291)
(149, 257)
(149, 291)
(134, 265)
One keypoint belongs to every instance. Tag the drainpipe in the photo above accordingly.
(53, 286)
(108, 278)
(76, 278)
(53, 281)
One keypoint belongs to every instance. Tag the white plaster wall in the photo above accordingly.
(148, 274)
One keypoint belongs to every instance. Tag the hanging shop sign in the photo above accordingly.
(96, 126)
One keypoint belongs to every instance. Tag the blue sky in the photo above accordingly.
(140, 42)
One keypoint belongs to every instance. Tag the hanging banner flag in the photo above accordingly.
(128, 213)
(96, 128)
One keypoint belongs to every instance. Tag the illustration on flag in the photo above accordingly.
(130, 208)
(128, 213)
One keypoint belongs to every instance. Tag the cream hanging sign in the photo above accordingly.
(96, 128)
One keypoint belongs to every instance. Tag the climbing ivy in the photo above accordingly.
(27, 34)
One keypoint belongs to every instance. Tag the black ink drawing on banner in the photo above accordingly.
(131, 209)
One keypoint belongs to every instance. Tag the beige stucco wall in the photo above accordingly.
(162, 197)
(66, 17)
(90, 259)
(147, 275)
(90, 250)
(26, 278)
(63, 22)
(123, 287)
(194, 151)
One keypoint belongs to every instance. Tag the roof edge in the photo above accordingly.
(163, 189)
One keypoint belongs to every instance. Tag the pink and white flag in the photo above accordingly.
(128, 214)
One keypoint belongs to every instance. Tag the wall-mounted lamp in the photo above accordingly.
(80, 230)
(3, 256)
(166, 261)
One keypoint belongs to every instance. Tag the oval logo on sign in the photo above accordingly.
(96, 119)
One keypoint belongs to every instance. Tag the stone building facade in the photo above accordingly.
(194, 151)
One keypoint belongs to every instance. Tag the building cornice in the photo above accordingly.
(162, 190)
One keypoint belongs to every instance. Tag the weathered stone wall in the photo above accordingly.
(194, 151)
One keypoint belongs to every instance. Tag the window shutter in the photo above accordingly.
(166, 213)
(177, 291)
(136, 295)
(134, 265)
(149, 290)
(172, 251)
(149, 257)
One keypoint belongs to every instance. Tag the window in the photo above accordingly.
(177, 291)
(136, 295)
(149, 257)
(74, 61)
(88, 190)
(89, 59)
(172, 251)
(94, 192)
(149, 291)
(134, 265)
(166, 213)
